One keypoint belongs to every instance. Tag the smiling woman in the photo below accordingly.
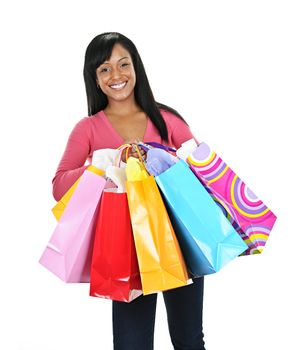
(121, 108)
(116, 77)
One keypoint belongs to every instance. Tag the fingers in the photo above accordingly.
(132, 152)
(137, 155)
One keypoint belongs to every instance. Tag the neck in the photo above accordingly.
(127, 107)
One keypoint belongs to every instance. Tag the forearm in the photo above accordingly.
(63, 180)
(72, 164)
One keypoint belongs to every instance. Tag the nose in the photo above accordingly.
(115, 73)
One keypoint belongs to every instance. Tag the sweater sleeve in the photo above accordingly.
(181, 132)
(71, 166)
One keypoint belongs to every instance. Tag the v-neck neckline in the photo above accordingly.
(109, 124)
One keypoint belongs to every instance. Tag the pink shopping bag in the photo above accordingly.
(68, 253)
(251, 218)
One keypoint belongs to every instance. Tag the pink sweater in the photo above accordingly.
(96, 132)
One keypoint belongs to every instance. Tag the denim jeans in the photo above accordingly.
(133, 323)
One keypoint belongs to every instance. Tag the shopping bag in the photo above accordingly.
(114, 268)
(207, 239)
(160, 260)
(68, 253)
(101, 159)
(59, 208)
(251, 218)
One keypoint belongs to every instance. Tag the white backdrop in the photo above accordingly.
(233, 70)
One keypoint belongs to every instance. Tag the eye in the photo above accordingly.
(124, 65)
(104, 70)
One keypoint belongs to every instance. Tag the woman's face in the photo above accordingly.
(116, 77)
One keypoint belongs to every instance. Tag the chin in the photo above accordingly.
(121, 97)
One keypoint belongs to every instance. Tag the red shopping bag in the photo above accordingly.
(114, 269)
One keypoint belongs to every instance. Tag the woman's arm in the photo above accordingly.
(71, 166)
(181, 132)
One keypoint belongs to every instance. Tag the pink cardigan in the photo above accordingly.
(96, 132)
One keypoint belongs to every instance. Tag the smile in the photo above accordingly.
(118, 86)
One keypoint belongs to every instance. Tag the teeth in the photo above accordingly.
(118, 86)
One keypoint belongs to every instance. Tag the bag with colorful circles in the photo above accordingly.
(251, 218)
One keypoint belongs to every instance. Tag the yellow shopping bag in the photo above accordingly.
(161, 263)
(59, 208)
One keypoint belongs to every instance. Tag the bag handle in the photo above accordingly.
(122, 148)
(126, 147)
(159, 145)
(156, 145)
(140, 156)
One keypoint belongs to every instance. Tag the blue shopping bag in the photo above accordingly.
(206, 237)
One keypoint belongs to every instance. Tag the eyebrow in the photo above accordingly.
(118, 60)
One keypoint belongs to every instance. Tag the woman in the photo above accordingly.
(121, 109)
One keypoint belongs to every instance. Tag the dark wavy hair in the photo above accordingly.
(98, 51)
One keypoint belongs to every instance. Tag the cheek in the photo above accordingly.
(103, 86)
(103, 82)
(133, 77)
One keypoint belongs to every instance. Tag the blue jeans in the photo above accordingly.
(133, 323)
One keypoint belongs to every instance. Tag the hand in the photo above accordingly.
(132, 152)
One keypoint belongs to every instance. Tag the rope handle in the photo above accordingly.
(126, 147)
(122, 148)
(159, 145)
(140, 156)
(145, 146)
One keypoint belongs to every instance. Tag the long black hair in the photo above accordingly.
(98, 51)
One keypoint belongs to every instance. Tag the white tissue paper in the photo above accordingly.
(118, 176)
(186, 149)
(102, 158)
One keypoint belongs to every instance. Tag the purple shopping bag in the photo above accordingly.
(69, 252)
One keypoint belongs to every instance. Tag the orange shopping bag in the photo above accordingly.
(160, 260)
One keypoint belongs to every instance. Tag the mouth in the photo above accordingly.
(118, 86)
